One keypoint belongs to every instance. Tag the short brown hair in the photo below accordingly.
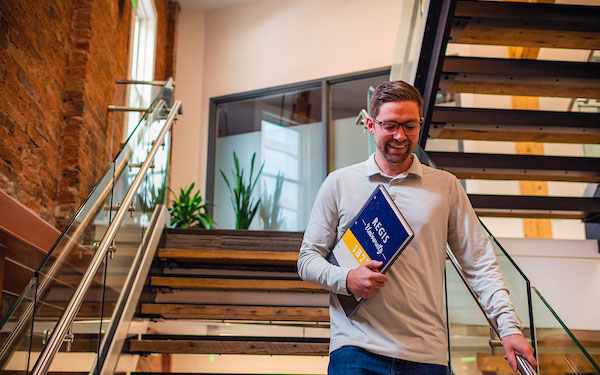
(394, 91)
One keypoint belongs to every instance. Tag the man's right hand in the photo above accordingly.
(365, 280)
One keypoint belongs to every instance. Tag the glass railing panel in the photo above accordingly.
(559, 351)
(58, 276)
(16, 356)
(409, 40)
(518, 284)
(113, 276)
(469, 332)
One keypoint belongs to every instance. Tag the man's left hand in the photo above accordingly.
(517, 344)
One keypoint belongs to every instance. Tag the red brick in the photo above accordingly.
(58, 67)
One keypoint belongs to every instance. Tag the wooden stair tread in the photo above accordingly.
(526, 206)
(288, 258)
(235, 312)
(515, 125)
(221, 283)
(520, 77)
(195, 238)
(228, 345)
(546, 25)
(518, 167)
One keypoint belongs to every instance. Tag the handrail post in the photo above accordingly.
(45, 359)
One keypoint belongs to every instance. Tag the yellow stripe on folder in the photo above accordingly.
(353, 245)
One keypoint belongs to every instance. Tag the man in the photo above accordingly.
(400, 328)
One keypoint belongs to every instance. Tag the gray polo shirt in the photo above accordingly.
(406, 318)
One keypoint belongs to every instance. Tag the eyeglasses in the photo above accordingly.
(391, 127)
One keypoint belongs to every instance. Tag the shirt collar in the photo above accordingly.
(371, 168)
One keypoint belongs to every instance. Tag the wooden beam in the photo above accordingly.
(236, 312)
(214, 283)
(286, 258)
(230, 345)
(532, 228)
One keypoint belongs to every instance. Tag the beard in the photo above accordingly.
(393, 154)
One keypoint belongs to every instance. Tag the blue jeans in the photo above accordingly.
(351, 360)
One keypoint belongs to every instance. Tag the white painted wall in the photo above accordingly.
(567, 274)
(186, 155)
(267, 43)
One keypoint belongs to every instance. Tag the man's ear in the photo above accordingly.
(370, 125)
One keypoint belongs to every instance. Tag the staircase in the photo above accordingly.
(511, 88)
(238, 293)
(232, 295)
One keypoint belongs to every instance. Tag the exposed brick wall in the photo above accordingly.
(171, 48)
(34, 42)
(162, 8)
(166, 39)
(98, 57)
(59, 62)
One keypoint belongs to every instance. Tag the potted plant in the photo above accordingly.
(189, 210)
(244, 206)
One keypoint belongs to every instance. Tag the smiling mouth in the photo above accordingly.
(399, 146)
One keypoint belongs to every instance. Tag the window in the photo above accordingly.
(285, 127)
(142, 60)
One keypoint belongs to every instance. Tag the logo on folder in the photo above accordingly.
(378, 232)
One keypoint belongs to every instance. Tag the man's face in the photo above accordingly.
(395, 149)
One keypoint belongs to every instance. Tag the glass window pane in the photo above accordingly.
(287, 135)
(348, 143)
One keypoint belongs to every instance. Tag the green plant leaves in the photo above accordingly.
(243, 204)
(189, 211)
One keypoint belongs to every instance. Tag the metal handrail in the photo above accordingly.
(522, 365)
(45, 359)
(137, 82)
(24, 318)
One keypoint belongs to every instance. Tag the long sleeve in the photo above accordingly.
(319, 239)
(473, 249)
